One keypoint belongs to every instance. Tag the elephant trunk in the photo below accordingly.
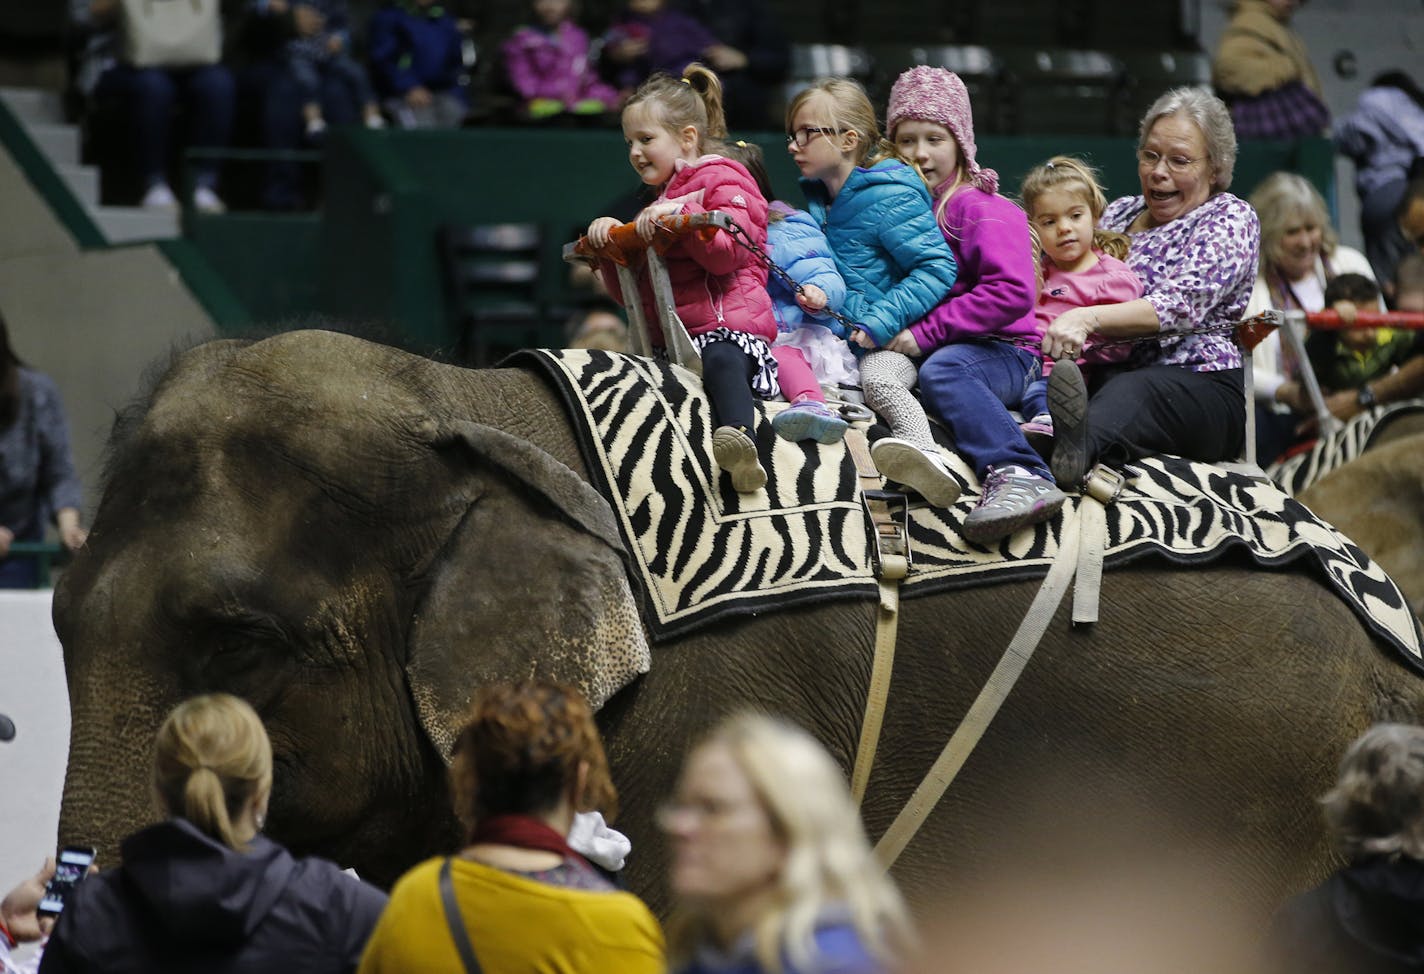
(108, 787)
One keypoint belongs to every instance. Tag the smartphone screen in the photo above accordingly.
(73, 865)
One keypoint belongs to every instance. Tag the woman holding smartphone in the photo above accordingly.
(205, 890)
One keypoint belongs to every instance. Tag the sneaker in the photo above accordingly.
(1039, 433)
(375, 121)
(159, 197)
(1068, 402)
(922, 471)
(809, 420)
(735, 453)
(316, 129)
(1013, 498)
(206, 201)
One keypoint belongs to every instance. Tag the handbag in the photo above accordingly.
(171, 33)
(458, 933)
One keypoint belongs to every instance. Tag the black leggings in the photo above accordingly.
(727, 378)
(1167, 409)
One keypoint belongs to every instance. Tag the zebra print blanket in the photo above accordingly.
(702, 552)
(1297, 473)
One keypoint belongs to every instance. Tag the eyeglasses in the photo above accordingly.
(1148, 159)
(802, 137)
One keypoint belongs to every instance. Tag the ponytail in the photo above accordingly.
(708, 86)
(694, 99)
(212, 758)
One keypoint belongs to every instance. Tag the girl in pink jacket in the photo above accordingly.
(671, 125)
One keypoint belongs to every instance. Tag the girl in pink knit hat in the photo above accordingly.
(979, 345)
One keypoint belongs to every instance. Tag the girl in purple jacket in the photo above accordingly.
(981, 342)
(548, 65)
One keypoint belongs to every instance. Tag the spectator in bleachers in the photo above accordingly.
(37, 478)
(1384, 137)
(752, 59)
(548, 65)
(1262, 70)
(598, 325)
(771, 871)
(145, 99)
(649, 37)
(1411, 213)
(205, 889)
(521, 899)
(322, 50)
(1351, 359)
(1300, 255)
(415, 48)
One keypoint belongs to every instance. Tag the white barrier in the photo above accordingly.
(33, 695)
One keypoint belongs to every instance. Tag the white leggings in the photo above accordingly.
(887, 378)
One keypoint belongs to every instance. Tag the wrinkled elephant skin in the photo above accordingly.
(354, 538)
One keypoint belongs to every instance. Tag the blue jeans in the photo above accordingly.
(147, 97)
(970, 387)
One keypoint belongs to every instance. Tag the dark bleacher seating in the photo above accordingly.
(1052, 91)
(977, 66)
(1150, 74)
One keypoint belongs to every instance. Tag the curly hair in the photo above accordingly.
(520, 752)
(1377, 805)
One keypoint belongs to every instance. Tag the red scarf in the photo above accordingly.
(520, 831)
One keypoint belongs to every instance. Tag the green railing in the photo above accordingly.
(46, 555)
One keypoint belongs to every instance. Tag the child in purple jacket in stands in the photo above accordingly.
(548, 65)
(981, 342)
(649, 38)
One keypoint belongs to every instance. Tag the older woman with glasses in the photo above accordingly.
(771, 870)
(1195, 246)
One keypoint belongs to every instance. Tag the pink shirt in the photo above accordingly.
(1109, 281)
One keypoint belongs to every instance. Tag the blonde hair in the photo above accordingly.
(1377, 805)
(848, 109)
(694, 99)
(1282, 201)
(1073, 175)
(828, 860)
(211, 758)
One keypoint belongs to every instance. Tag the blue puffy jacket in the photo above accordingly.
(797, 245)
(896, 263)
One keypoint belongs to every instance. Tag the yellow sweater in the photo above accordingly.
(516, 924)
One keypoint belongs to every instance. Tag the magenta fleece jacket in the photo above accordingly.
(994, 292)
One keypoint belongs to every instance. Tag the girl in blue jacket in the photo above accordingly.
(875, 211)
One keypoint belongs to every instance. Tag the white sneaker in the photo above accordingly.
(901, 462)
(375, 122)
(206, 201)
(316, 128)
(159, 197)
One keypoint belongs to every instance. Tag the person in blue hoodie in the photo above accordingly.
(417, 64)
(205, 890)
(875, 210)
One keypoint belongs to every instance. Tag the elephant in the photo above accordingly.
(353, 538)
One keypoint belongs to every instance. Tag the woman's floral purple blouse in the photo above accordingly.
(1198, 271)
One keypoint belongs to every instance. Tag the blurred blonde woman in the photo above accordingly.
(205, 890)
(771, 870)
(1365, 917)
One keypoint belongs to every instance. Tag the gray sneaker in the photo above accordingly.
(736, 453)
(1013, 498)
(1068, 405)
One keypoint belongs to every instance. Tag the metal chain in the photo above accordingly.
(743, 239)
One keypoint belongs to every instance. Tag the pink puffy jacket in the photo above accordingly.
(717, 282)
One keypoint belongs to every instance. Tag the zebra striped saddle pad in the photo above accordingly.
(1297, 473)
(701, 552)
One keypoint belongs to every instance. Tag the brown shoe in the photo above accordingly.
(736, 453)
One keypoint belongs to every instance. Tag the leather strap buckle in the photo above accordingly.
(889, 513)
(1103, 484)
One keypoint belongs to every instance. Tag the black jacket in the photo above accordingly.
(183, 902)
(1368, 918)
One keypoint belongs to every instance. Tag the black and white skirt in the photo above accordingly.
(764, 380)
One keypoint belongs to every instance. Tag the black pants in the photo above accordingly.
(1167, 409)
(727, 379)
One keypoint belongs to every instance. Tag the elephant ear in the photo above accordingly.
(530, 583)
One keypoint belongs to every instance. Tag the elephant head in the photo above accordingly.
(352, 551)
